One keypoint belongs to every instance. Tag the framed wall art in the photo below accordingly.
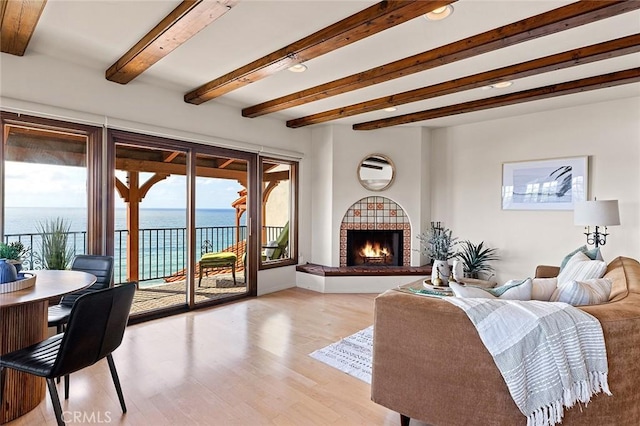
(553, 184)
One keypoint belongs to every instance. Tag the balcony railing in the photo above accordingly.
(162, 251)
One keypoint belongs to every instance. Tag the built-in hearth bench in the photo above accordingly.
(354, 271)
(357, 279)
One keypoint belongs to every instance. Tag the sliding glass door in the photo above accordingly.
(180, 215)
(150, 215)
(221, 197)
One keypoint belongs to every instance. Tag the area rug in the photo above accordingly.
(351, 355)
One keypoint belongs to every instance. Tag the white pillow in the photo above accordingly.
(581, 268)
(511, 290)
(514, 290)
(543, 288)
(268, 251)
(588, 292)
(470, 291)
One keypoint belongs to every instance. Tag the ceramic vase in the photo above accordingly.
(458, 270)
(442, 266)
(17, 264)
(8, 272)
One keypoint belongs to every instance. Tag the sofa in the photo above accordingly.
(429, 363)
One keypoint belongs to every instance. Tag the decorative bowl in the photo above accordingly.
(25, 280)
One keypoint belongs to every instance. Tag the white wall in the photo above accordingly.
(321, 191)
(41, 85)
(337, 149)
(467, 172)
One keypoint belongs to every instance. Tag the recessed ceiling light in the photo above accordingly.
(391, 109)
(298, 68)
(502, 84)
(439, 13)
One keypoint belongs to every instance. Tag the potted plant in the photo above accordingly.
(55, 252)
(14, 252)
(438, 244)
(476, 257)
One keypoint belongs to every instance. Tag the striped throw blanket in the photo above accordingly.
(550, 354)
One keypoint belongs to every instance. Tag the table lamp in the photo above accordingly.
(597, 213)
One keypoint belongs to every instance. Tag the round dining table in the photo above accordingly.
(23, 322)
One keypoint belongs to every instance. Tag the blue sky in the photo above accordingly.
(42, 185)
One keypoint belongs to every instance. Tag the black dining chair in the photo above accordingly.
(95, 329)
(101, 267)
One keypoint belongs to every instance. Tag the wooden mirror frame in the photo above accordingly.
(378, 184)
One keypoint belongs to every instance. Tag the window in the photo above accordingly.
(278, 212)
(51, 171)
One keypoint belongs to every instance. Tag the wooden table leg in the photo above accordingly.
(21, 326)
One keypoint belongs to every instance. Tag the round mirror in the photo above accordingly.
(376, 172)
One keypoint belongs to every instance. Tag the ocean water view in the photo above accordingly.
(162, 236)
(25, 220)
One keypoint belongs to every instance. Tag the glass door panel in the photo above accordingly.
(45, 182)
(221, 231)
(151, 225)
(278, 212)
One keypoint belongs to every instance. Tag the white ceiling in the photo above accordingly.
(95, 33)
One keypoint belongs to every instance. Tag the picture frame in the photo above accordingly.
(552, 184)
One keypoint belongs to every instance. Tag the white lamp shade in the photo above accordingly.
(596, 213)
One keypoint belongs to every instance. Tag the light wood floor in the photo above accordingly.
(244, 363)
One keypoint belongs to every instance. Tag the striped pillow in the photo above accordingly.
(588, 292)
(580, 268)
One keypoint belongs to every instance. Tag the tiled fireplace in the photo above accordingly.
(379, 225)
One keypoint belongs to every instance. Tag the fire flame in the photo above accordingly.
(373, 250)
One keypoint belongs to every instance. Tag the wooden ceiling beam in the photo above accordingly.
(554, 90)
(584, 55)
(365, 23)
(551, 22)
(18, 20)
(185, 21)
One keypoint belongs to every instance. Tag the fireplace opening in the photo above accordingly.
(374, 247)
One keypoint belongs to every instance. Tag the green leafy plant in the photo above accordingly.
(13, 251)
(438, 243)
(476, 257)
(55, 252)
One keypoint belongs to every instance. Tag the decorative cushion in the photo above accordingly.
(543, 288)
(593, 254)
(270, 248)
(588, 292)
(581, 268)
(470, 291)
(511, 290)
(218, 258)
(514, 290)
